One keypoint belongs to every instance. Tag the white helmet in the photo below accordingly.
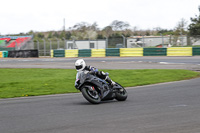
(80, 64)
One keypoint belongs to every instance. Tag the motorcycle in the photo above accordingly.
(96, 90)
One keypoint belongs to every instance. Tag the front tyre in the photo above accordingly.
(121, 95)
(90, 94)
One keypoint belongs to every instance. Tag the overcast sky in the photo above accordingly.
(44, 15)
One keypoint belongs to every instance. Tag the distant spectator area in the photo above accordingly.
(13, 41)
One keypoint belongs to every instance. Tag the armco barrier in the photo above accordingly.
(196, 51)
(59, 53)
(179, 51)
(112, 52)
(23, 53)
(84, 53)
(155, 51)
(131, 52)
(98, 53)
(71, 53)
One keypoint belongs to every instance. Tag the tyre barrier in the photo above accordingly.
(84, 53)
(112, 52)
(98, 53)
(23, 53)
(71, 53)
(127, 52)
(155, 52)
(179, 51)
(58, 53)
(195, 51)
(3, 54)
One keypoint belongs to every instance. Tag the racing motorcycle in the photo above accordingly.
(96, 90)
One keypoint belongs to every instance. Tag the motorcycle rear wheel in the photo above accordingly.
(90, 95)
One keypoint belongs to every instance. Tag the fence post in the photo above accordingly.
(162, 39)
(143, 42)
(58, 46)
(181, 39)
(89, 42)
(44, 47)
(38, 45)
(50, 44)
(106, 42)
(124, 41)
(64, 43)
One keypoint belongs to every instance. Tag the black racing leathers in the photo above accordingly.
(99, 74)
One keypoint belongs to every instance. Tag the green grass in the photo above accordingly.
(150, 76)
(34, 82)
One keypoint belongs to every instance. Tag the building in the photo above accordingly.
(86, 44)
(152, 41)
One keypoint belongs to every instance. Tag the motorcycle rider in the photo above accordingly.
(80, 65)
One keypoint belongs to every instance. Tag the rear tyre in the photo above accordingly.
(121, 95)
(90, 95)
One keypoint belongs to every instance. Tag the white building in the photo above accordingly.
(86, 44)
(152, 41)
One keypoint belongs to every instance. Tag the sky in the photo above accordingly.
(18, 16)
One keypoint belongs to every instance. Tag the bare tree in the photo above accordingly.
(181, 26)
(107, 31)
(85, 30)
(119, 25)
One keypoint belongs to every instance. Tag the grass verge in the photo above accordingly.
(34, 82)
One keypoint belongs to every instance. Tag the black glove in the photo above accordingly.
(92, 72)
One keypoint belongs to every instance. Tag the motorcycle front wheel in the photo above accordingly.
(121, 95)
(90, 94)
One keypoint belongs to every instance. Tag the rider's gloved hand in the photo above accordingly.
(93, 68)
(92, 72)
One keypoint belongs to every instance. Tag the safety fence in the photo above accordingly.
(127, 52)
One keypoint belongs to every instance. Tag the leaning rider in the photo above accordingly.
(81, 66)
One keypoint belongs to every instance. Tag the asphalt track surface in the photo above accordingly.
(190, 63)
(163, 108)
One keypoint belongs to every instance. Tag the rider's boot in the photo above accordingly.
(112, 83)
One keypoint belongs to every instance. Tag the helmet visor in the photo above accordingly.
(79, 67)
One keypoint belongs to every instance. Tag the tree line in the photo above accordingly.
(117, 28)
